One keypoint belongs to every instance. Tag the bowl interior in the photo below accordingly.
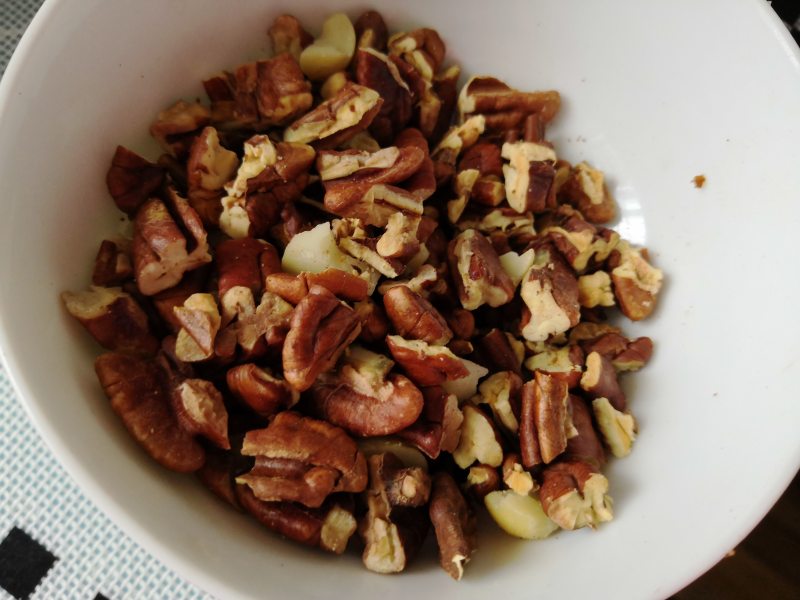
(651, 106)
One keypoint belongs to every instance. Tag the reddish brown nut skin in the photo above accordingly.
(131, 180)
(139, 395)
(343, 285)
(112, 265)
(549, 413)
(461, 322)
(166, 300)
(217, 475)
(438, 427)
(421, 184)
(497, 353)
(375, 70)
(561, 478)
(453, 522)
(374, 322)
(320, 330)
(528, 439)
(606, 385)
(265, 395)
(239, 264)
(586, 446)
(505, 108)
(414, 317)
(484, 157)
(427, 370)
(480, 490)
(212, 422)
(371, 31)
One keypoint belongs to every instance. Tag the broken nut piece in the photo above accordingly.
(479, 441)
(476, 269)
(574, 495)
(454, 523)
(618, 428)
(636, 282)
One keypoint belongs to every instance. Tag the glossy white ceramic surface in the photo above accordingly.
(654, 94)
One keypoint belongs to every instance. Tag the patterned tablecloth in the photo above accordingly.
(54, 543)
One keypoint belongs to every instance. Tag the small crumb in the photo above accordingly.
(699, 181)
(731, 553)
(715, 394)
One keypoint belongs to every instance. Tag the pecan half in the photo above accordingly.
(168, 241)
(131, 180)
(364, 398)
(414, 317)
(302, 459)
(454, 523)
(338, 119)
(139, 394)
(321, 328)
(113, 318)
(260, 390)
(574, 495)
(476, 269)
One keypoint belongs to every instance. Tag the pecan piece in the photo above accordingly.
(200, 321)
(112, 265)
(287, 35)
(131, 180)
(479, 441)
(260, 390)
(586, 445)
(200, 410)
(501, 351)
(618, 428)
(337, 119)
(574, 495)
(414, 317)
(242, 263)
(454, 523)
(516, 478)
(544, 421)
(425, 364)
(529, 176)
(332, 50)
(371, 31)
(364, 398)
(138, 392)
(503, 107)
(293, 288)
(374, 70)
(567, 360)
(636, 282)
(175, 127)
(302, 459)
(501, 391)
(482, 480)
(580, 242)
(168, 241)
(374, 323)
(439, 426)
(595, 290)
(208, 169)
(457, 139)
(320, 330)
(476, 269)
(586, 190)
(113, 318)
(600, 380)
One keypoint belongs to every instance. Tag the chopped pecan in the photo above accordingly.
(364, 398)
(405, 486)
(175, 127)
(479, 441)
(392, 535)
(242, 263)
(270, 176)
(439, 426)
(567, 360)
(321, 328)
(481, 481)
(113, 318)
(462, 186)
(636, 282)
(579, 241)
(200, 410)
(371, 31)
(519, 515)
(510, 226)
(260, 390)
(425, 364)
(165, 301)
(208, 169)
(625, 354)
(462, 323)
(294, 288)
(476, 269)
(271, 92)
(112, 265)
(488, 188)
(302, 459)
(516, 477)
(337, 119)
(503, 107)
(618, 428)
(501, 351)
(585, 446)
(287, 35)
(331, 86)
(457, 139)
(595, 290)
(529, 176)
(200, 321)
(454, 523)
(374, 70)
(332, 50)
(424, 281)
(600, 380)
(574, 495)
(421, 48)
(550, 293)
(131, 180)
(423, 182)
(586, 189)
(328, 527)
(414, 317)
(501, 391)
(217, 475)
(139, 394)
(544, 422)
(445, 89)
(168, 241)
(352, 237)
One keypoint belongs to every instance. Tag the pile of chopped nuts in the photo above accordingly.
(359, 299)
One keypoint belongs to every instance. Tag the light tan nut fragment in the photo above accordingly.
(516, 477)
(618, 428)
(208, 169)
(503, 107)
(625, 354)
(501, 391)
(352, 237)
(302, 459)
(567, 360)
(479, 441)
(287, 35)
(337, 119)
(529, 176)
(454, 523)
(466, 387)
(586, 189)
(364, 398)
(201, 410)
(332, 50)
(519, 515)
(139, 394)
(371, 31)
(550, 292)
(426, 364)
(260, 390)
(581, 243)
(200, 321)
(476, 269)
(600, 380)
(321, 328)
(574, 495)
(457, 139)
(168, 240)
(595, 290)
(113, 318)
(414, 317)
(636, 282)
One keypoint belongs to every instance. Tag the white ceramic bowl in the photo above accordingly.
(653, 94)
